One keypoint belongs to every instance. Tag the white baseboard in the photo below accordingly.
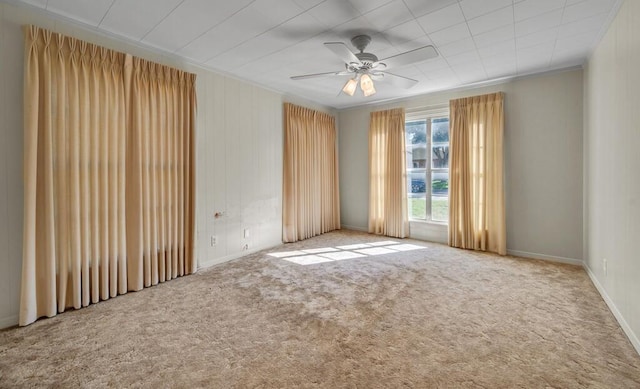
(633, 338)
(354, 228)
(215, 261)
(571, 261)
(8, 321)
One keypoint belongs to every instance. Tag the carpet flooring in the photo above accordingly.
(342, 310)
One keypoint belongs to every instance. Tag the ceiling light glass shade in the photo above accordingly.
(369, 92)
(366, 83)
(350, 87)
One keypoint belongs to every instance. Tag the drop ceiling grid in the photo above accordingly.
(266, 41)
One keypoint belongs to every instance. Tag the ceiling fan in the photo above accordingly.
(366, 67)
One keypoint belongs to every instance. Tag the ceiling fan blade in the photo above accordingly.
(305, 76)
(342, 51)
(408, 58)
(399, 81)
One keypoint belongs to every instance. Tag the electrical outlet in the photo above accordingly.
(246, 233)
(604, 265)
(245, 247)
(214, 240)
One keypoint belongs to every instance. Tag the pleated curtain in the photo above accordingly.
(161, 190)
(476, 208)
(387, 174)
(97, 124)
(311, 203)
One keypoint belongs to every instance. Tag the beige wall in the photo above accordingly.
(543, 164)
(612, 169)
(238, 161)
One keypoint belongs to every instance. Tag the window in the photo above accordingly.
(427, 147)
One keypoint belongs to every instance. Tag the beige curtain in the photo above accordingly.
(77, 175)
(160, 195)
(477, 210)
(311, 204)
(387, 174)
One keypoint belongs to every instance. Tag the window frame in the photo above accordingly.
(426, 115)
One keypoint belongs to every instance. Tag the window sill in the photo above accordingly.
(429, 222)
(429, 231)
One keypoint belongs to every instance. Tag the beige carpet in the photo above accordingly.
(425, 317)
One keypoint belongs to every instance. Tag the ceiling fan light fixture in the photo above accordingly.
(350, 87)
(369, 91)
(366, 84)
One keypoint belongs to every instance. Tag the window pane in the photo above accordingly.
(416, 181)
(439, 208)
(440, 130)
(440, 156)
(417, 193)
(440, 197)
(416, 144)
(417, 207)
(440, 184)
(416, 132)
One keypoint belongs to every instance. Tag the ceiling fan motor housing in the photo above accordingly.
(361, 42)
(367, 59)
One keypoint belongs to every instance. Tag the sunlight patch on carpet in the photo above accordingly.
(307, 259)
(320, 250)
(375, 251)
(340, 253)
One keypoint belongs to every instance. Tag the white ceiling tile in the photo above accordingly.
(498, 35)
(276, 12)
(134, 19)
(542, 50)
(585, 9)
(500, 62)
(579, 42)
(539, 23)
(298, 29)
(378, 44)
(306, 4)
(464, 58)
(37, 3)
(432, 65)
(273, 41)
(90, 12)
(450, 35)
(501, 70)
(592, 24)
(209, 45)
(364, 6)
(534, 57)
(404, 33)
(267, 41)
(173, 33)
(567, 58)
(353, 27)
(470, 73)
(506, 48)
(443, 18)
(414, 44)
(461, 46)
(332, 13)
(231, 60)
(408, 71)
(537, 38)
(389, 15)
(530, 8)
(446, 74)
(422, 7)
(475, 8)
(491, 21)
